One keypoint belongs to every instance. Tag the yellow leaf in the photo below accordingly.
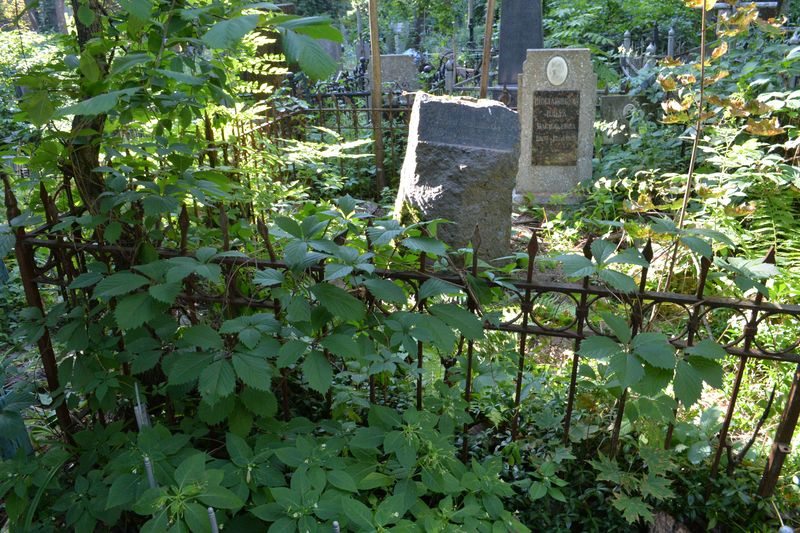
(720, 50)
(722, 74)
(687, 79)
(672, 106)
(767, 127)
(708, 4)
(677, 118)
(721, 102)
(668, 83)
(671, 62)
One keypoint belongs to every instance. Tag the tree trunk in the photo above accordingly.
(83, 144)
(60, 18)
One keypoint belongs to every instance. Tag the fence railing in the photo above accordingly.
(49, 257)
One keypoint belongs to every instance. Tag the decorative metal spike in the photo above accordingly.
(770, 258)
(212, 518)
(476, 239)
(183, 223)
(336, 527)
(647, 252)
(587, 247)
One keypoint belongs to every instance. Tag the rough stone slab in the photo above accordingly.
(460, 165)
(398, 72)
(615, 110)
(558, 91)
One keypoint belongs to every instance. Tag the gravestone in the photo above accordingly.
(520, 31)
(615, 112)
(333, 49)
(460, 164)
(398, 73)
(557, 95)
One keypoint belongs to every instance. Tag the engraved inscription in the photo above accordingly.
(555, 128)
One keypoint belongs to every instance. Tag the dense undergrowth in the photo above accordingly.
(266, 416)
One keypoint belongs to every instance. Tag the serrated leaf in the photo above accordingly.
(217, 380)
(577, 266)
(290, 352)
(238, 450)
(698, 246)
(428, 245)
(656, 487)
(618, 280)
(252, 369)
(85, 280)
(336, 271)
(437, 287)
(633, 508)
(119, 284)
(599, 347)
(341, 345)
(122, 490)
(619, 326)
(626, 368)
(261, 403)
(462, 320)
(339, 302)
(188, 366)
(138, 9)
(202, 336)
(133, 311)
(707, 348)
(227, 33)
(317, 371)
(602, 250)
(165, 292)
(385, 290)
(688, 384)
(655, 349)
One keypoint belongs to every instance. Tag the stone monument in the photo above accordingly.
(520, 31)
(398, 73)
(615, 112)
(557, 95)
(460, 164)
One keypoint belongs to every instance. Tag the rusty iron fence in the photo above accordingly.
(51, 257)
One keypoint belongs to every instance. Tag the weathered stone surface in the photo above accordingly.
(398, 72)
(615, 111)
(520, 31)
(460, 164)
(556, 110)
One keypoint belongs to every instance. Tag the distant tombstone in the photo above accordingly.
(520, 31)
(333, 49)
(557, 111)
(615, 112)
(460, 164)
(398, 73)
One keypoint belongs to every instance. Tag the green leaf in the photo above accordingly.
(656, 487)
(181, 77)
(630, 256)
(357, 512)
(188, 366)
(336, 271)
(138, 9)
(166, 292)
(618, 280)
(633, 509)
(134, 310)
(339, 302)
(698, 452)
(655, 349)
(37, 107)
(428, 245)
(537, 490)
(261, 403)
(462, 320)
(227, 33)
(709, 371)
(437, 287)
(191, 470)
(217, 380)
(240, 452)
(688, 384)
(269, 277)
(341, 345)
(698, 246)
(85, 15)
(626, 368)
(308, 54)
(290, 352)
(317, 371)
(385, 290)
(122, 490)
(118, 284)
(96, 105)
(202, 336)
(577, 266)
(252, 369)
(84, 280)
(707, 348)
(220, 497)
(599, 347)
(342, 480)
(602, 250)
(196, 517)
(618, 325)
